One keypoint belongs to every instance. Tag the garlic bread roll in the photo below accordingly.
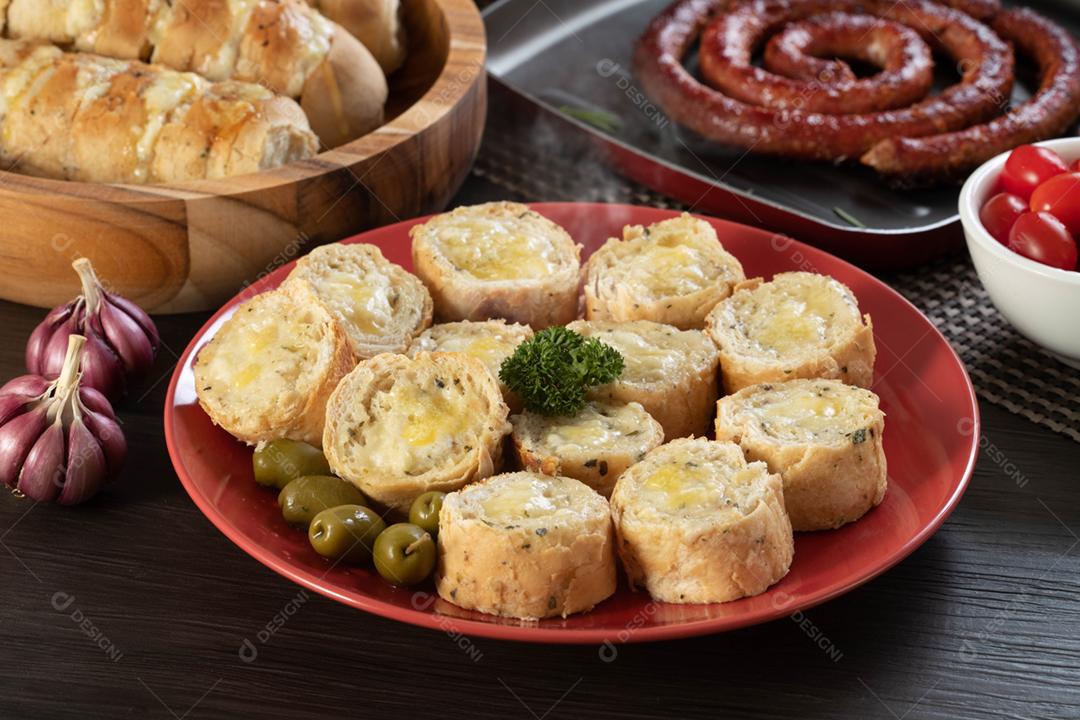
(799, 325)
(671, 372)
(268, 371)
(673, 272)
(381, 306)
(490, 342)
(697, 524)
(595, 446)
(76, 116)
(823, 438)
(397, 427)
(376, 23)
(527, 546)
(285, 45)
(498, 260)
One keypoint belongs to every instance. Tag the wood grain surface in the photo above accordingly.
(134, 606)
(190, 246)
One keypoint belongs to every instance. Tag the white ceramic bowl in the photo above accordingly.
(1042, 302)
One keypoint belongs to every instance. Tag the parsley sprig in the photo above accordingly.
(552, 371)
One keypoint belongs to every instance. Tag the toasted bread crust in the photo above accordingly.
(528, 568)
(702, 560)
(624, 282)
(846, 354)
(539, 302)
(829, 481)
(299, 414)
(357, 453)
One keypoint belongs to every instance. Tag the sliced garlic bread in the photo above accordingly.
(671, 372)
(799, 325)
(498, 260)
(824, 438)
(696, 523)
(526, 545)
(595, 446)
(673, 272)
(379, 304)
(269, 369)
(397, 427)
(490, 342)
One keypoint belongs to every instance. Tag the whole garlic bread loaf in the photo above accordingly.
(268, 371)
(76, 116)
(380, 305)
(595, 446)
(824, 438)
(799, 325)
(489, 341)
(285, 45)
(527, 546)
(498, 260)
(671, 372)
(673, 272)
(397, 427)
(697, 524)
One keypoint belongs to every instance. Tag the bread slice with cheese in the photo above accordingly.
(498, 260)
(527, 546)
(594, 446)
(269, 369)
(381, 306)
(673, 271)
(799, 325)
(489, 341)
(696, 523)
(824, 438)
(397, 427)
(671, 372)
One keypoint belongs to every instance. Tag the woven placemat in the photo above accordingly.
(537, 161)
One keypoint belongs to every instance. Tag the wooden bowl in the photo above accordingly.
(191, 246)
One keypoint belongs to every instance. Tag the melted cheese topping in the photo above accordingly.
(168, 91)
(811, 410)
(16, 81)
(651, 352)
(692, 488)
(496, 248)
(266, 351)
(800, 312)
(364, 301)
(595, 427)
(670, 270)
(417, 426)
(522, 498)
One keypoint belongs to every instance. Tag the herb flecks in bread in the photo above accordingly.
(552, 371)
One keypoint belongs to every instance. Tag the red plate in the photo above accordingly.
(930, 441)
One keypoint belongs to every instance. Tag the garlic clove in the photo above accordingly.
(140, 317)
(17, 436)
(101, 367)
(10, 406)
(26, 386)
(128, 339)
(42, 475)
(51, 359)
(94, 400)
(86, 471)
(42, 335)
(110, 437)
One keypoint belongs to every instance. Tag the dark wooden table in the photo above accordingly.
(134, 606)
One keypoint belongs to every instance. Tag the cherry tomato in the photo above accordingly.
(1060, 196)
(999, 213)
(1041, 237)
(1029, 166)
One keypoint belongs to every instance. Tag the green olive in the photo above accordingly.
(345, 533)
(424, 512)
(404, 554)
(279, 462)
(306, 497)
